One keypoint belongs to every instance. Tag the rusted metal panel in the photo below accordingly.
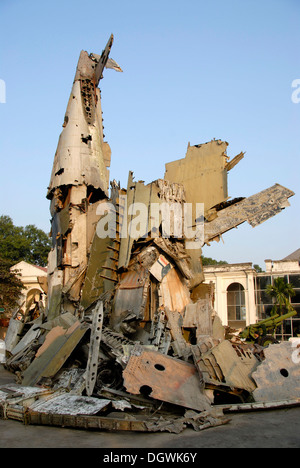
(199, 316)
(133, 279)
(131, 299)
(164, 378)
(235, 369)
(94, 283)
(278, 376)
(137, 193)
(72, 288)
(175, 322)
(222, 366)
(129, 305)
(86, 422)
(54, 352)
(204, 291)
(160, 194)
(174, 293)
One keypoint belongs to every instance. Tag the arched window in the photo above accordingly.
(236, 305)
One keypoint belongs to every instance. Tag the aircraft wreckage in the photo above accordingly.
(129, 339)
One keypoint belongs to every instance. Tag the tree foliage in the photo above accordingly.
(281, 291)
(211, 261)
(18, 243)
(257, 268)
(10, 286)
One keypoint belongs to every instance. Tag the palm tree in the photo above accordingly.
(281, 291)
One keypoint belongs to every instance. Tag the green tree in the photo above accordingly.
(10, 286)
(280, 292)
(39, 245)
(17, 243)
(211, 261)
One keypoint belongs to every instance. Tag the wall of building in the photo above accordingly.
(258, 304)
(223, 276)
(32, 277)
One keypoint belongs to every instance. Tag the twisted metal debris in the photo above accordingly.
(129, 339)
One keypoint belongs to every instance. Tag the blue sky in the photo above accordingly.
(193, 71)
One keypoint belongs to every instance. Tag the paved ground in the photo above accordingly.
(269, 429)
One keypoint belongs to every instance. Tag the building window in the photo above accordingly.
(236, 305)
(291, 327)
(262, 282)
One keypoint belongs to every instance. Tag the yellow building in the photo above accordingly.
(34, 279)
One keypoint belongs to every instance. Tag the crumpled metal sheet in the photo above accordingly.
(164, 378)
(148, 279)
(18, 392)
(70, 404)
(54, 352)
(278, 376)
(255, 209)
(223, 366)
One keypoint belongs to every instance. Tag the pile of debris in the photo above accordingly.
(129, 339)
